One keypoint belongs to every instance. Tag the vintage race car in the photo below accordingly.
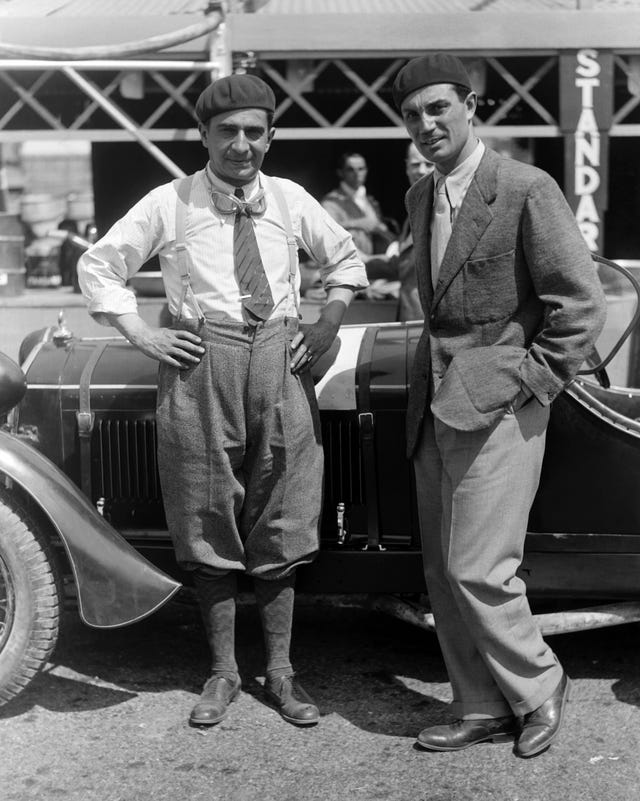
(81, 511)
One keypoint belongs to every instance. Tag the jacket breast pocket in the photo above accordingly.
(490, 288)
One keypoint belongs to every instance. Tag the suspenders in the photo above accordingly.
(292, 242)
(184, 187)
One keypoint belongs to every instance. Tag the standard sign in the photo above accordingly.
(586, 110)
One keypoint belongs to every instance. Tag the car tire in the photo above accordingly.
(29, 598)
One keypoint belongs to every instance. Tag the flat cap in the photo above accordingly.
(427, 70)
(234, 92)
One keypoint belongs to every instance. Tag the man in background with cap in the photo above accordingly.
(512, 307)
(239, 450)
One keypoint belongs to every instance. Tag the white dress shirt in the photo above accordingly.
(459, 180)
(148, 229)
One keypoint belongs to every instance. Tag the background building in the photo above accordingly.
(558, 82)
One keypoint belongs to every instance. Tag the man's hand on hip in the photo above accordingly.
(175, 347)
(312, 341)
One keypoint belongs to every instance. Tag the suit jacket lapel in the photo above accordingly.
(421, 232)
(473, 217)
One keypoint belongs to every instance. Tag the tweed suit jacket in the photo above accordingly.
(517, 301)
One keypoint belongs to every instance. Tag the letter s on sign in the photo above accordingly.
(588, 63)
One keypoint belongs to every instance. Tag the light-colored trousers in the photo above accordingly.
(475, 490)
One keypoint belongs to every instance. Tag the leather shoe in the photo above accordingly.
(464, 733)
(541, 726)
(292, 701)
(217, 693)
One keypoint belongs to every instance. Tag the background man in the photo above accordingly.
(512, 307)
(239, 448)
(358, 212)
(400, 253)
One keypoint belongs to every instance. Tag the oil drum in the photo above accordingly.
(12, 263)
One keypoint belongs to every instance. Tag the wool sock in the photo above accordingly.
(217, 599)
(275, 605)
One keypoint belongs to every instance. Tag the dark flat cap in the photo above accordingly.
(427, 70)
(234, 92)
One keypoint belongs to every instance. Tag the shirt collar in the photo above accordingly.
(458, 180)
(249, 189)
(356, 194)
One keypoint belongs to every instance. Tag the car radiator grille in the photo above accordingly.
(125, 470)
(126, 458)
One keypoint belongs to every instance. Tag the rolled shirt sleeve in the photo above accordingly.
(149, 229)
(103, 271)
(330, 245)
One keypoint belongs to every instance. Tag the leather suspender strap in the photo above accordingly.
(292, 242)
(366, 423)
(86, 418)
(183, 189)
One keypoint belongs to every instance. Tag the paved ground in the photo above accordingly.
(106, 721)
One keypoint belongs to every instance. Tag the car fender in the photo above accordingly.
(116, 585)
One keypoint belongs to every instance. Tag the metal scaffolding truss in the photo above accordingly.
(519, 97)
(149, 101)
(152, 100)
(332, 113)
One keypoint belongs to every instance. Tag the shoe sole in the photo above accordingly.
(505, 737)
(297, 721)
(208, 721)
(544, 746)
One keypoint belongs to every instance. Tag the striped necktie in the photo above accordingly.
(441, 230)
(255, 292)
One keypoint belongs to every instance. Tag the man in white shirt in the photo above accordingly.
(356, 210)
(512, 307)
(239, 449)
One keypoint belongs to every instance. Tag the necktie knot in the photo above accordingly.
(243, 206)
(442, 197)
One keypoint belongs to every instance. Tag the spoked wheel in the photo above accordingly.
(29, 598)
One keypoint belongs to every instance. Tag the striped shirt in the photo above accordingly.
(149, 229)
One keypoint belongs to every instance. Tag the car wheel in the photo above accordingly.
(29, 599)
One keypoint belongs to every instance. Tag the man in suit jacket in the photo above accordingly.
(512, 307)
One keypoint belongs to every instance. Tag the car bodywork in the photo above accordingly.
(79, 452)
(115, 586)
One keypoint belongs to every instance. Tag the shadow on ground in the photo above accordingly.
(378, 673)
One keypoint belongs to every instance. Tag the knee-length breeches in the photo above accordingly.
(240, 452)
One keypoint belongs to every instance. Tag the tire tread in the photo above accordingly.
(32, 549)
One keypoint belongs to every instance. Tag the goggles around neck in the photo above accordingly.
(229, 204)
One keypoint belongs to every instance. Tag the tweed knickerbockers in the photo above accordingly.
(240, 453)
